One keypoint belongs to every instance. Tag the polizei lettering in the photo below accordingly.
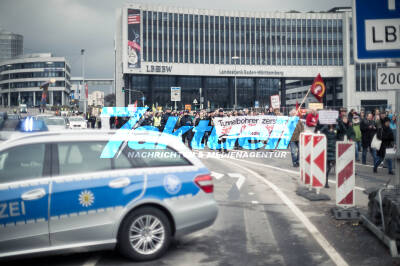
(12, 209)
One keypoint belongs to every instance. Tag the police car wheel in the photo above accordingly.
(145, 234)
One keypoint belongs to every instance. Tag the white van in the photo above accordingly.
(23, 109)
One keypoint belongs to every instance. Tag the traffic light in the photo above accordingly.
(123, 89)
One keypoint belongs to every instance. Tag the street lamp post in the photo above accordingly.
(9, 86)
(83, 80)
(235, 58)
(51, 99)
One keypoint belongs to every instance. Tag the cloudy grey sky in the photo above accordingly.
(63, 27)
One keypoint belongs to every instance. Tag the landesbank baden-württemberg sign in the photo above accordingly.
(251, 132)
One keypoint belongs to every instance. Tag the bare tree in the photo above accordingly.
(109, 100)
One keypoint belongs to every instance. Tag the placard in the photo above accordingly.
(275, 101)
(328, 117)
(315, 106)
(175, 94)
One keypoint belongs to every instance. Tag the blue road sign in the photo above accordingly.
(377, 28)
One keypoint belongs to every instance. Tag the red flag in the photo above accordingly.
(297, 108)
(318, 88)
(45, 87)
(86, 90)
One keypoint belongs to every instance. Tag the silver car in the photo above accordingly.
(55, 123)
(79, 191)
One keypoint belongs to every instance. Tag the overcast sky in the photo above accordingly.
(63, 27)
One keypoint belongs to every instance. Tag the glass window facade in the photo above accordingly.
(217, 91)
(11, 45)
(205, 39)
(22, 84)
(366, 76)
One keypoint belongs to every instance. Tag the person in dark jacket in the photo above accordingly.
(164, 119)
(222, 139)
(196, 121)
(385, 134)
(331, 138)
(112, 122)
(294, 142)
(351, 114)
(344, 128)
(147, 120)
(186, 120)
(92, 121)
(368, 130)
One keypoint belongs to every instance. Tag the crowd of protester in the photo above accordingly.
(373, 133)
(361, 127)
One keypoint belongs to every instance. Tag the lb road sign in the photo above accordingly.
(377, 29)
(345, 173)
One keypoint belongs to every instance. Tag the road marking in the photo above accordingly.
(368, 165)
(288, 171)
(240, 181)
(251, 193)
(329, 249)
(254, 202)
(92, 261)
(260, 237)
(217, 175)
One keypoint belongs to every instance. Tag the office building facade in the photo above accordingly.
(21, 78)
(11, 45)
(266, 53)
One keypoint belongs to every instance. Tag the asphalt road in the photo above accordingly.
(262, 221)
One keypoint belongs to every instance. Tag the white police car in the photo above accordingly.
(58, 195)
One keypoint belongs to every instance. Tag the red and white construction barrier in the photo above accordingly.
(305, 157)
(301, 163)
(345, 173)
(318, 160)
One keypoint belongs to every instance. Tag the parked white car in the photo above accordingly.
(77, 122)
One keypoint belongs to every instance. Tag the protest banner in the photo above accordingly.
(265, 127)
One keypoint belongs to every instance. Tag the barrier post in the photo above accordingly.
(345, 174)
(307, 158)
(312, 165)
(301, 157)
(318, 161)
(345, 181)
